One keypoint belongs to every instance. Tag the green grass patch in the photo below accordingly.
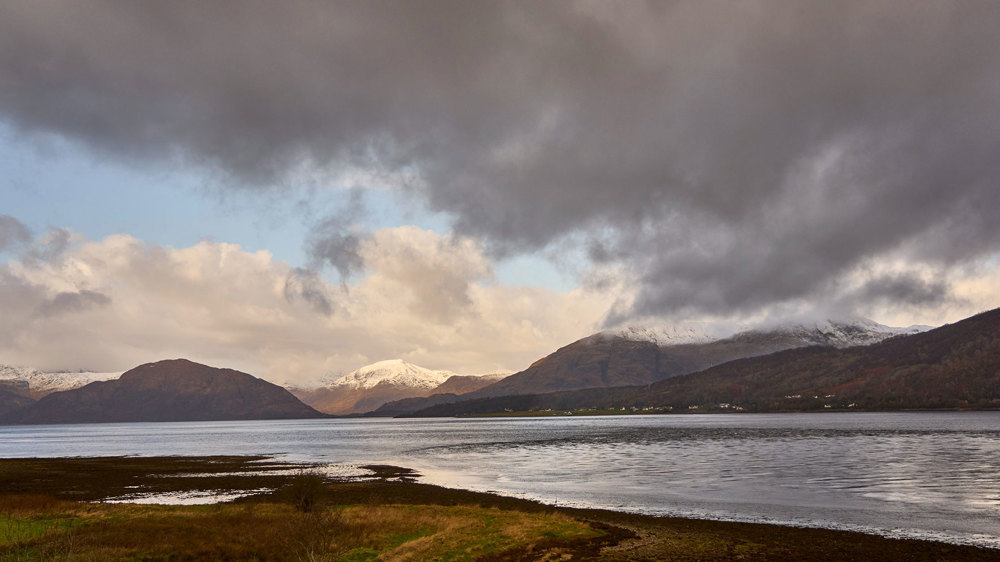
(360, 555)
(17, 529)
(279, 531)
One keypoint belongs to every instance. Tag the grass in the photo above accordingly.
(47, 513)
(16, 529)
(42, 516)
(279, 531)
(27, 516)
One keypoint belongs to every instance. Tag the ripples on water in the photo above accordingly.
(930, 475)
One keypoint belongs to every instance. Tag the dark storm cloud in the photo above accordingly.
(76, 301)
(727, 155)
(904, 289)
(332, 243)
(335, 240)
(13, 233)
(305, 284)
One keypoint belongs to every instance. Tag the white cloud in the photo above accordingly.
(105, 305)
(432, 299)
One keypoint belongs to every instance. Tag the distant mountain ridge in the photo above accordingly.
(463, 384)
(955, 366)
(41, 383)
(393, 371)
(662, 334)
(170, 390)
(371, 386)
(640, 356)
(629, 356)
(839, 333)
(845, 332)
(453, 389)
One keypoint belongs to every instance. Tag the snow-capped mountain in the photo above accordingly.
(662, 334)
(836, 333)
(953, 366)
(371, 386)
(639, 355)
(169, 390)
(41, 383)
(395, 372)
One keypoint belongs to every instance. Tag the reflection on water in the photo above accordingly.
(931, 475)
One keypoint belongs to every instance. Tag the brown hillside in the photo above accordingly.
(172, 390)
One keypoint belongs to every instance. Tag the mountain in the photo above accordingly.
(395, 372)
(639, 356)
(373, 385)
(663, 334)
(13, 396)
(450, 391)
(834, 333)
(172, 390)
(463, 384)
(956, 366)
(41, 383)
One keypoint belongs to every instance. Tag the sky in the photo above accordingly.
(297, 189)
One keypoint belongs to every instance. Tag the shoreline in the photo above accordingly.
(604, 413)
(532, 414)
(884, 533)
(617, 535)
(735, 518)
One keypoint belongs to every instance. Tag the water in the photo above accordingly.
(923, 475)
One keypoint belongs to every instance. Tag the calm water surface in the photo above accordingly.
(925, 475)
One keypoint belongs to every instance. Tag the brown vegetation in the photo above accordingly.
(389, 518)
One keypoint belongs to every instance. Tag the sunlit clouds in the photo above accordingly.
(430, 299)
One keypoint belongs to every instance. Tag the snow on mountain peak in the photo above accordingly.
(496, 373)
(45, 382)
(844, 332)
(395, 372)
(664, 334)
(836, 332)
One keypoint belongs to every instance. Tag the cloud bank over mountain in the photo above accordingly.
(108, 304)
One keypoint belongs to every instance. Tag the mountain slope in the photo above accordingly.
(41, 383)
(373, 385)
(11, 401)
(463, 384)
(395, 372)
(450, 391)
(954, 366)
(639, 356)
(172, 390)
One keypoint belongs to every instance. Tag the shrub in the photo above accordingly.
(306, 491)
